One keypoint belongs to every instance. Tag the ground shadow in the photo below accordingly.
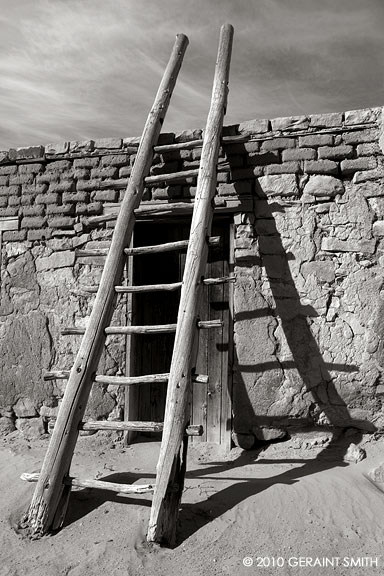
(83, 502)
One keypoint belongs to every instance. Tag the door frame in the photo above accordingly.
(131, 408)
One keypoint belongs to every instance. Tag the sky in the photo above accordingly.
(80, 69)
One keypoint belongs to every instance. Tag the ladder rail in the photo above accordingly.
(172, 459)
(47, 504)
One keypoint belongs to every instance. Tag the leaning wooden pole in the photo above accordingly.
(50, 499)
(171, 464)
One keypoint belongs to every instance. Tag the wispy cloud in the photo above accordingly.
(76, 69)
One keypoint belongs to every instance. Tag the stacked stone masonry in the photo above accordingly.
(307, 198)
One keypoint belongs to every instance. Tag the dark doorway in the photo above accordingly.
(210, 403)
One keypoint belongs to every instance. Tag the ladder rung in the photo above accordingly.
(109, 425)
(196, 430)
(222, 280)
(95, 252)
(198, 143)
(56, 375)
(100, 484)
(174, 176)
(124, 380)
(148, 288)
(168, 247)
(158, 287)
(170, 287)
(155, 329)
(149, 329)
(130, 380)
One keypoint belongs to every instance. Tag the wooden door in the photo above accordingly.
(210, 403)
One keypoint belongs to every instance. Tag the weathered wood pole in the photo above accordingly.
(172, 460)
(46, 509)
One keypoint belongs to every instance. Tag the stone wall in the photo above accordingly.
(307, 198)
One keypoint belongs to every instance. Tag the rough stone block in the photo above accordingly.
(77, 174)
(269, 434)
(326, 120)
(74, 197)
(335, 152)
(93, 209)
(33, 222)
(109, 143)
(368, 149)
(57, 187)
(83, 146)
(125, 171)
(314, 140)
(32, 210)
(375, 174)
(52, 198)
(24, 408)
(188, 135)
(336, 245)
(105, 172)
(351, 166)
(31, 168)
(67, 209)
(59, 165)
(285, 168)
(58, 148)
(263, 158)
(60, 259)
(35, 189)
(87, 162)
(257, 126)
(363, 116)
(378, 228)
(37, 235)
(293, 154)
(14, 235)
(320, 186)
(7, 170)
(4, 157)
(233, 189)
(27, 199)
(7, 425)
(324, 271)
(30, 427)
(20, 179)
(14, 201)
(361, 136)
(4, 180)
(321, 167)
(377, 473)
(115, 160)
(48, 177)
(88, 185)
(290, 123)
(278, 144)
(8, 190)
(64, 222)
(9, 211)
(243, 441)
(279, 185)
(106, 196)
(26, 153)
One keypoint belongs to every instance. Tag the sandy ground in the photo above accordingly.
(281, 503)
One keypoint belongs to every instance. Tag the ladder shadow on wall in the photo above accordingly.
(305, 354)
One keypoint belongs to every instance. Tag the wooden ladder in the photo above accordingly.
(50, 500)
